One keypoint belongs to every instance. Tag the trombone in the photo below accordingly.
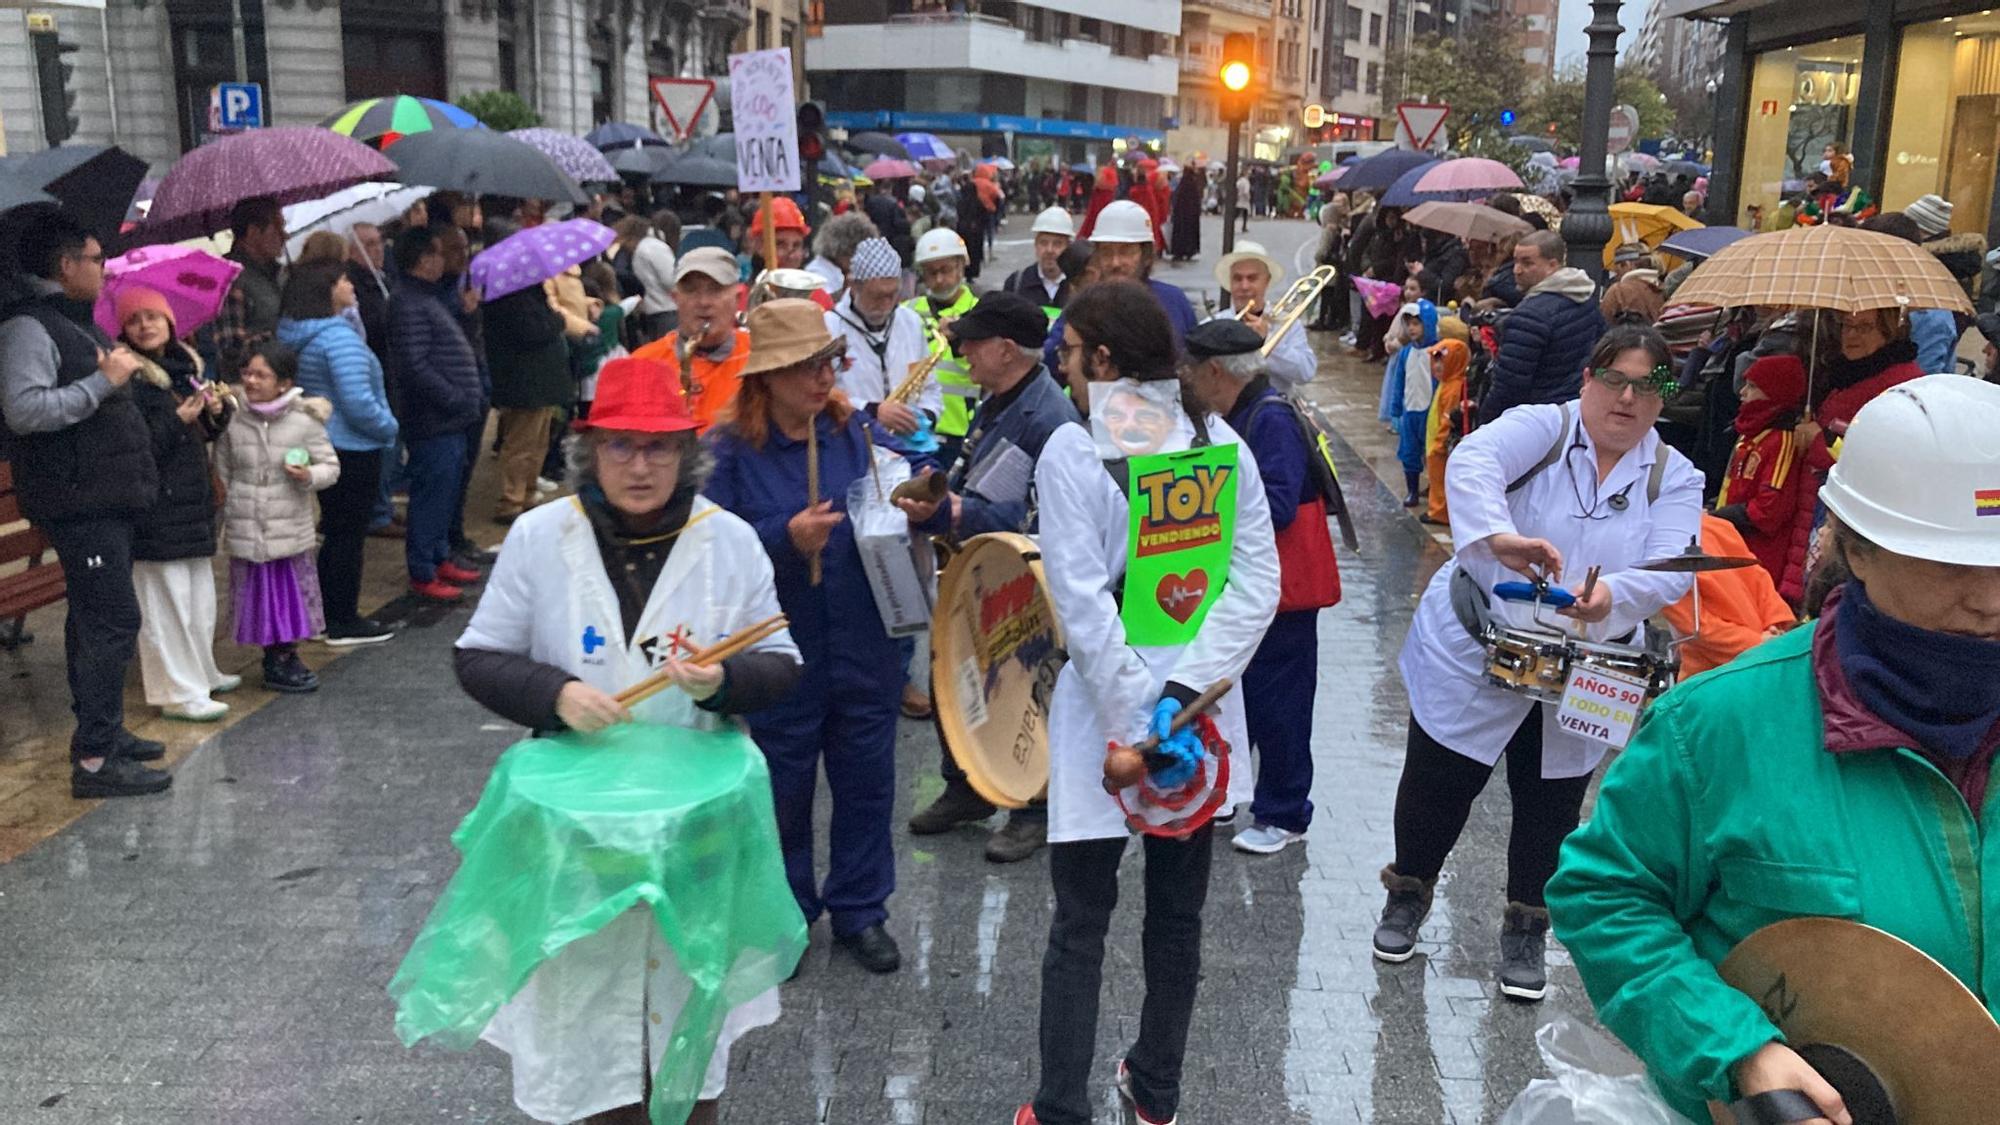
(1286, 310)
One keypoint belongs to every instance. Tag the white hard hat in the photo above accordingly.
(940, 243)
(1055, 220)
(1247, 250)
(1123, 221)
(1919, 471)
(916, 193)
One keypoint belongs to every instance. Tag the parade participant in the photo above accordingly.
(1043, 281)
(1546, 492)
(941, 264)
(834, 245)
(1118, 686)
(1838, 770)
(1227, 377)
(844, 711)
(1740, 608)
(173, 541)
(1249, 273)
(789, 224)
(646, 572)
(883, 340)
(1447, 423)
(1121, 248)
(1760, 493)
(707, 291)
(1103, 193)
(1001, 339)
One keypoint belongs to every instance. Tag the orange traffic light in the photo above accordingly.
(1238, 75)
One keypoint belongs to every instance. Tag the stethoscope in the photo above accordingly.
(1617, 501)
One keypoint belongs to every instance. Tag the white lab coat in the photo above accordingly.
(867, 378)
(1107, 690)
(575, 1029)
(1443, 667)
(1291, 364)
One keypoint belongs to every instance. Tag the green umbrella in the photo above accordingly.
(384, 121)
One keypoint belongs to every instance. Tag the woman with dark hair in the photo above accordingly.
(1546, 493)
(1129, 673)
(844, 711)
(334, 364)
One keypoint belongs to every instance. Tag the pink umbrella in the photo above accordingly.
(1467, 178)
(1642, 161)
(194, 282)
(1326, 182)
(1381, 297)
(889, 168)
(291, 163)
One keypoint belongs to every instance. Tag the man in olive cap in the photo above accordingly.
(1000, 339)
(1226, 376)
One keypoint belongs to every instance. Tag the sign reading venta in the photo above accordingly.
(767, 127)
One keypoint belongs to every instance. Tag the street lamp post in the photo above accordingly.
(1587, 225)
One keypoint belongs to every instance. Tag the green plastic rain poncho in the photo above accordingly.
(571, 832)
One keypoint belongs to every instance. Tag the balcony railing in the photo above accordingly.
(1260, 8)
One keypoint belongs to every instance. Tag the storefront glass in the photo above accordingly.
(1801, 100)
(1945, 121)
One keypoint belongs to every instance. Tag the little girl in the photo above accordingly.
(1407, 390)
(272, 461)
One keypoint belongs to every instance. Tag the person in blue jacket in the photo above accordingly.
(334, 364)
(845, 708)
(1545, 340)
(990, 489)
(1121, 248)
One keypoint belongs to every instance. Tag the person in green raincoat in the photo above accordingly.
(1841, 770)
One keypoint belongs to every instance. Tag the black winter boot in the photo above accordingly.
(1523, 939)
(285, 672)
(1410, 497)
(1409, 904)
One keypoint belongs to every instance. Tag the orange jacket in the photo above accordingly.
(1738, 607)
(718, 381)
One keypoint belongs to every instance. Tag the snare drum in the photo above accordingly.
(1534, 662)
(1658, 667)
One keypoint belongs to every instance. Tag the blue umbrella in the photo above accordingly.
(1403, 192)
(620, 134)
(1702, 242)
(1382, 169)
(926, 146)
(532, 256)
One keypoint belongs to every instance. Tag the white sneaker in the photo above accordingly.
(1265, 839)
(226, 683)
(1348, 338)
(545, 486)
(200, 711)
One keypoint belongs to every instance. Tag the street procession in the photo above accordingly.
(792, 563)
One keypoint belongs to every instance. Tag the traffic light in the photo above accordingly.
(52, 74)
(812, 132)
(1238, 75)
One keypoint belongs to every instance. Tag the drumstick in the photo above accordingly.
(812, 491)
(1589, 584)
(712, 655)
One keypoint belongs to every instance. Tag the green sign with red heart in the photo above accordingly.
(1177, 549)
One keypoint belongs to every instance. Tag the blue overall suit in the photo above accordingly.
(845, 706)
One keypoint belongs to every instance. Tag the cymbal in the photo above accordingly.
(1842, 984)
(1694, 561)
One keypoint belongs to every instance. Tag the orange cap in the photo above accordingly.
(784, 212)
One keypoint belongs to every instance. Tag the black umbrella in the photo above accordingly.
(1532, 144)
(1381, 170)
(94, 183)
(696, 171)
(482, 162)
(881, 144)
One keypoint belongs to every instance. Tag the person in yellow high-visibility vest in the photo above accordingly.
(941, 263)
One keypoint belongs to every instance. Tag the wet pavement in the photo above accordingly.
(219, 954)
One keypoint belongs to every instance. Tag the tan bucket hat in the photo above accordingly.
(788, 331)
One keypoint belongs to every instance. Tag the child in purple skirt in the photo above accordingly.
(271, 464)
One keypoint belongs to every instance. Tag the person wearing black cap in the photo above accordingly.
(1000, 339)
(1226, 376)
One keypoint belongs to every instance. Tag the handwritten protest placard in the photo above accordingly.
(767, 125)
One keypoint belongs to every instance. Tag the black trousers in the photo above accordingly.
(473, 443)
(1436, 795)
(100, 628)
(345, 509)
(1085, 876)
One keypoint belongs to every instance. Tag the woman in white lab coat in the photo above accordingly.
(633, 574)
(1117, 338)
(1541, 491)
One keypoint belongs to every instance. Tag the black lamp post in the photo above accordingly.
(1586, 226)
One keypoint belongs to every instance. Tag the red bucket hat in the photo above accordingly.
(639, 395)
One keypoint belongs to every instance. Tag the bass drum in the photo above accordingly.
(995, 650)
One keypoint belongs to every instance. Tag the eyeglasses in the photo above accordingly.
(622, 451)
(1659, 382)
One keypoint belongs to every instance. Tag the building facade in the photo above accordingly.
(144, 70)
(1911, 88)
(1070, 80)
(1354, 43)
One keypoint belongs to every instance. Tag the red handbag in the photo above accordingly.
(1308, 575)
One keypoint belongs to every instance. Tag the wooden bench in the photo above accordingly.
(30, 577)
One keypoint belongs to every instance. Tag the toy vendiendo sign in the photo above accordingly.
(1183, 524)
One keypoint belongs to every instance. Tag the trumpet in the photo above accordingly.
(684, 346)
(1286, 310)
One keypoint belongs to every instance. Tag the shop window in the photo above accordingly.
(1945, 119)
(205, 54)
(1375, 29)
(1801, 100)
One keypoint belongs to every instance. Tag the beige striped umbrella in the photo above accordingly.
(1824, 267)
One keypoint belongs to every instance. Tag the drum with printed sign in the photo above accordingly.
(995, 650)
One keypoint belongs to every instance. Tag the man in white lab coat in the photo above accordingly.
(1549, 492)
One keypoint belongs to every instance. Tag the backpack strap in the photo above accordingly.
(1551, 457)
(1658, 474)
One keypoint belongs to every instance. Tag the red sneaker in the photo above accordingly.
(1025, 1116)
(437, 590)
(458, 575)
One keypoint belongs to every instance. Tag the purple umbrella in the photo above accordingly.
(572, 154)
(194, 282)
(290, 163)
(534, 255)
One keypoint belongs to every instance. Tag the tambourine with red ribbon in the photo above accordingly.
(1178, 812)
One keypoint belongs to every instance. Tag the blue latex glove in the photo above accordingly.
(1184, 748)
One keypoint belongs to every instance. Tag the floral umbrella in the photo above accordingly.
(384, 121)
(572, 154)
(288, 163)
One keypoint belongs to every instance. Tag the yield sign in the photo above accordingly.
(1421, 122)
(681, 101)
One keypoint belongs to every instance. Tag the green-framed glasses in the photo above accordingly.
(1658, 382)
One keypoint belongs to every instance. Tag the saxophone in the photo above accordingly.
(684, 346)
